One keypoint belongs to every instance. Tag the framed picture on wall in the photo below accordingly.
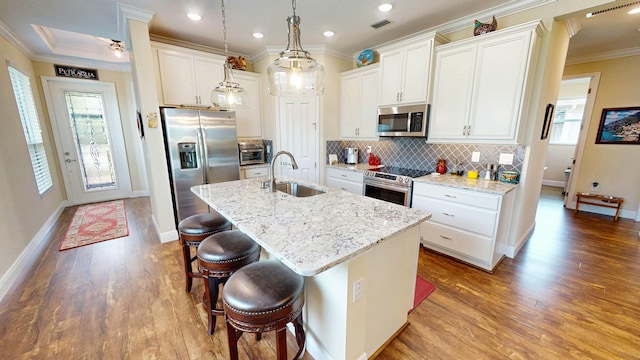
(619, 126)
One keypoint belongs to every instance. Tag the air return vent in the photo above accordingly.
(380, 24)
(591, 14)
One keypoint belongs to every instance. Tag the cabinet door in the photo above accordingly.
(350, 110)
(368, 124)
(416, 73)
(178, 77)
(453, 84)
(250, 119)
(209, 73)
(391, 68)
(500, 78)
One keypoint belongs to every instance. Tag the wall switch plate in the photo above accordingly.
(358, 289)
(368, 149)
(506, 159)
(475, 156)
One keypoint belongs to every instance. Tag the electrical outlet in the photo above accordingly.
(475, 156)
(595, 185)
(368, 149)
(357, 289)
(506, 159)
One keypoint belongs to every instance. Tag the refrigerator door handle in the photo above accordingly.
(202, 145)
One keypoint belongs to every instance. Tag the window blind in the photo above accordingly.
(31, 127)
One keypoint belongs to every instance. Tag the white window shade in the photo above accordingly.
(31, 127)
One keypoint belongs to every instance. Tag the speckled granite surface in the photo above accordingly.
(356, 167)
(309, 234)
(462, 182)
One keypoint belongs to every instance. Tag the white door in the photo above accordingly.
(298, 134)
(86, 125)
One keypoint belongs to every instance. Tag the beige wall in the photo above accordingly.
(613, 166)
(23, 212)
(558, 160)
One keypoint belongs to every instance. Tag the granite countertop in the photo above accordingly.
(356, 167)
(309, 234)
(462, 182)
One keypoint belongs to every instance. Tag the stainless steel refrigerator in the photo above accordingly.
(202, 148)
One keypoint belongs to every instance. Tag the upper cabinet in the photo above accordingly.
(480, 86)
(405, 69)
(359, 102)
(250, 119)
(186, 78)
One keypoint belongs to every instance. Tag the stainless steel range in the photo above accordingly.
(393, 184)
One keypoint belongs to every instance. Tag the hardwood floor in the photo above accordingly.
(573, 292)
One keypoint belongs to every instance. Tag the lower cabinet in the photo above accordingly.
(351, 181)
(254, 172)
(468, 225)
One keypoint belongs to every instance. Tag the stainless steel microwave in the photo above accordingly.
(411, 120)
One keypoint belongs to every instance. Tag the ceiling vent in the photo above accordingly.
(594, 13)
(380, 24)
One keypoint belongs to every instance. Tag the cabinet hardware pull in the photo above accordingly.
(469, 130)
(445, 214)
(450, 196)
(464, 130)
(445, 237)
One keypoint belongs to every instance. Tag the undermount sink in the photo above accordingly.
(297, 190)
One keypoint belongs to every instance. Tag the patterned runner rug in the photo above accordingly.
(95, 223)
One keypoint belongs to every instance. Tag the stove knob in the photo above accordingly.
(406, 180)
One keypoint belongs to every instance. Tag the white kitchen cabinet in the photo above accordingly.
(480, 86)
(351, 181)
(359, 103)
(254, 171)
(188, 77)
(405, 70)
(249, 120)
(468, 225)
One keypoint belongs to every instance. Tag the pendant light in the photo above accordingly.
(228, 95)
(295, 72)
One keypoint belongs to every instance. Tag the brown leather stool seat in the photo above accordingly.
(192, 231)
(219, 255)
(264, 296)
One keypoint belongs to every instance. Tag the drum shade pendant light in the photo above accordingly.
(295, 72)
(228, 95)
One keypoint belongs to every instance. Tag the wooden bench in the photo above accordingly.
(600, 200)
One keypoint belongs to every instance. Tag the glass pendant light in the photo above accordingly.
(295, 72)
(228, 95)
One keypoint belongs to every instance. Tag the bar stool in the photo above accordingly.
(219, 255)
(192, 230)
(264, 296)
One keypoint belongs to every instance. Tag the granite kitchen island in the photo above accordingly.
(335, 240)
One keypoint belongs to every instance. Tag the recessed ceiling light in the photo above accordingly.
(634, 11)
(258, 35)
(194, 16)
(385, 7)
(329, 33)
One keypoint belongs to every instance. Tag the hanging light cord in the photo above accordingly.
(224, 32)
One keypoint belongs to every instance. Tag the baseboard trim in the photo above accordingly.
(553, 183)
(512, 251)
(139, 193)
(166, 236)
(31, 251)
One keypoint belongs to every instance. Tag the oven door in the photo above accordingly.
(381, 190)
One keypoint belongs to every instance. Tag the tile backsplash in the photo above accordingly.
(415, 153)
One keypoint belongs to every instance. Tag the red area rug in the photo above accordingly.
(423, 289)
(95, 223)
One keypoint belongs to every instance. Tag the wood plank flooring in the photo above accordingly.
(573, 292)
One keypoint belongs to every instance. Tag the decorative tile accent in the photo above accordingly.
(415, 153)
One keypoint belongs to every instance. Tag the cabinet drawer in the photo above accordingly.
(344, 175)
(459, 196)
(349, 186)
(468, 218)
(256, 172)
(458, 241)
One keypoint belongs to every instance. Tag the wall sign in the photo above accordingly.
(76, 72)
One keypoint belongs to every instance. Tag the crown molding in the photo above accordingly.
(14, 40)
(312, 49)
(128, 12)
(573, 26)
(603, 56)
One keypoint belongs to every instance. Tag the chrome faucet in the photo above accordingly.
(272, 178)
